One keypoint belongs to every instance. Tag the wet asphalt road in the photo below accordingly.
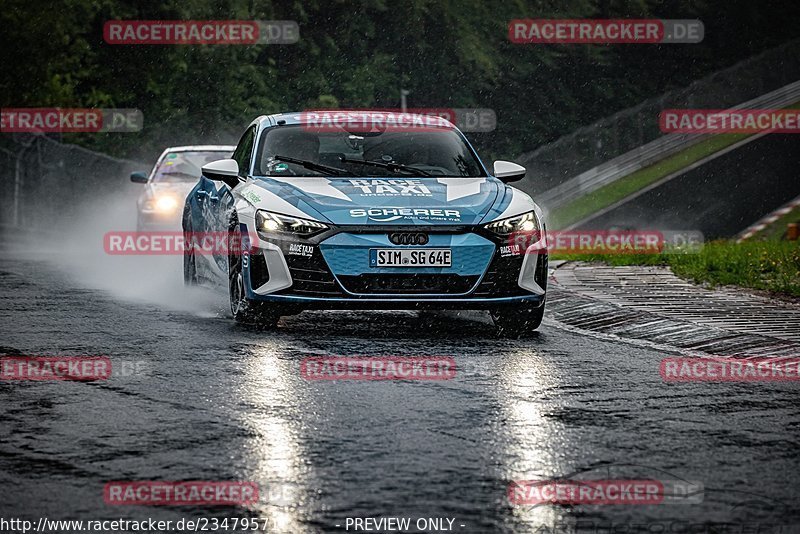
(214, 401)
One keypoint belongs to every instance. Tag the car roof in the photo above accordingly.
(305, 117)
(201, 148)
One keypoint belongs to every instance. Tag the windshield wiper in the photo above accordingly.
(325, 169)
(394, 167)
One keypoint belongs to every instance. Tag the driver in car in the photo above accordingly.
(293, 144)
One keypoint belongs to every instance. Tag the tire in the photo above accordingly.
(516, 322)
(189, 259)
(244, 310)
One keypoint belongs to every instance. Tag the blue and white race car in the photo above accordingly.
(354, 217)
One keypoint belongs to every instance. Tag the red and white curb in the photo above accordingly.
(762, 223)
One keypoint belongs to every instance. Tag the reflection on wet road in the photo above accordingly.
(208, 400)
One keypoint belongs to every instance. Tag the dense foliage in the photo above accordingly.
(447, 53)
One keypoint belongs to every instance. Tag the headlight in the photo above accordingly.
(525, 224)
(163, 204)
(273, 223)
(166, 203)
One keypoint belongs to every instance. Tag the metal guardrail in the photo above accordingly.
(595, 144)
(652, 152)
(46, 181)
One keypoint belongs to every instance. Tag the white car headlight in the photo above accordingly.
(161, 204)
(521, 224)
(273, 223)
(166, 203)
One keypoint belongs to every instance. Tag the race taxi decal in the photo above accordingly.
(299, 249)
(510, 250)
(391, 187)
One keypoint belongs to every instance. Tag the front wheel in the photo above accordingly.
(244, 310)
(516, 322)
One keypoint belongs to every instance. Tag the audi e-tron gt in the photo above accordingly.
(370, 210)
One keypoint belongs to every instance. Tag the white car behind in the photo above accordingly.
(172, 178)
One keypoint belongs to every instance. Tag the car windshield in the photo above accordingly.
(439, 152)
(185, 166)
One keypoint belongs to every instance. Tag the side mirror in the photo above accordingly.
(224, 170)
(139, 177)
(508, 171)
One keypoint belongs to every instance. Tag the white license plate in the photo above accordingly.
(410, 257)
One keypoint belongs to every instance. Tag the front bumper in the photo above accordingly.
(331, 271)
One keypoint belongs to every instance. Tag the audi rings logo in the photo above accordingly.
(409, 238)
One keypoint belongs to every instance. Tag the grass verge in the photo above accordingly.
(772, 266)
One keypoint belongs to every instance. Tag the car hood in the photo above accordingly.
(386, 201)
